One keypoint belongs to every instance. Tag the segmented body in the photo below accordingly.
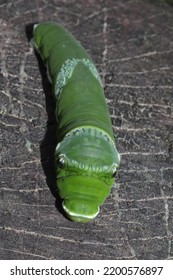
(86, 156)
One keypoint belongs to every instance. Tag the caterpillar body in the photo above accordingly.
(86, 156)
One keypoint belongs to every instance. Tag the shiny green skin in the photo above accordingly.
(83, 179)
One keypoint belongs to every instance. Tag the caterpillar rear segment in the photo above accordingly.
(86, 156)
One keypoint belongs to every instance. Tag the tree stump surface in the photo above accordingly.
(131, 43)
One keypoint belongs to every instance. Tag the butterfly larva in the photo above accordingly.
(86, 156)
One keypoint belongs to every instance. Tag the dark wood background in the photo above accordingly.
(131, 43)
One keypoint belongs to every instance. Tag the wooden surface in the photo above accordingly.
(132, 45)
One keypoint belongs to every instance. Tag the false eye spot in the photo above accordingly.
(60, 163)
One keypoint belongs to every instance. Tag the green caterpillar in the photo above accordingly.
(86, 156)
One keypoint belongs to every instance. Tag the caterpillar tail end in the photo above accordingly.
(80, 211)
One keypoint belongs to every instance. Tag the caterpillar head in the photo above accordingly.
(82, 196)
(80, 209)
